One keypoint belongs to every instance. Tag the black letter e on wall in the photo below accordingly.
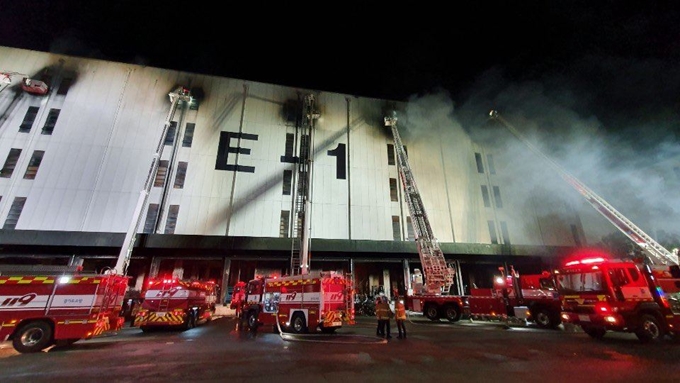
(224, 148)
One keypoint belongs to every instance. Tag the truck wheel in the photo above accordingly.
(649, 329)
(252, 320)
(32, 337)
(431, 312)
(544, 318)
(594, 332)
(298, 324)
(452, 313)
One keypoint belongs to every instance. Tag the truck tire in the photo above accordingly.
(298, 324)
(649, 330)
(431, 311)
(594, 332)
(252, 320)
(452, 313)
(544, 318)
(33, 337)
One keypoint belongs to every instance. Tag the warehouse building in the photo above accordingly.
(223, 201)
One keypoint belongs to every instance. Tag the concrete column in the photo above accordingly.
(386, 284)
(225, 279)
(155, 266)
(178, 271)
(407, 277)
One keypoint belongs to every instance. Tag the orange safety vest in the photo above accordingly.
(400, 311)
(382, 311)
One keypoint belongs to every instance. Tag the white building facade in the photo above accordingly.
(74, 162)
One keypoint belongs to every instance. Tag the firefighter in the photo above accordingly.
(400, 317)
(383, 313)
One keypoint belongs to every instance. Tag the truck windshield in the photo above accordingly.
(590, 281)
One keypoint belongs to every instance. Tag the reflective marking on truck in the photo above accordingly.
(26, 301)
(173, 293)
(34, 301)
(42, 280)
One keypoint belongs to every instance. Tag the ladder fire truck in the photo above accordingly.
(430, 296)
(305, 300)
(638, 295)
(529, 297)
(28, 84)
(42, 305)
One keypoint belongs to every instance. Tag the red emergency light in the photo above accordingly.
(585, 261)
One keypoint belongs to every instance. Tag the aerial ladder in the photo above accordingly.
(176, 96)
(437, 273)
(28, 84)
(655, 253)
(299, 263)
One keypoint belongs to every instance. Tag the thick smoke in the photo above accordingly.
(617, 134)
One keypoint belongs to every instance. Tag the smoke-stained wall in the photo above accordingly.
(232, 151)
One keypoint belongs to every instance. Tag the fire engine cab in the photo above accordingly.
(318, 300)
(601, 294)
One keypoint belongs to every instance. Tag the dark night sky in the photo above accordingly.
(617, 60)
(596, 81)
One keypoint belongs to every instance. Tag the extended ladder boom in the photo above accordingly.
(656, 253)
(180, 94)
(438, 276)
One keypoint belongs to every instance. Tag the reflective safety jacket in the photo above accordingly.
(382, 311)
(400, 311)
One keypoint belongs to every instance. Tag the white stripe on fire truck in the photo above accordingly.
(13, 302)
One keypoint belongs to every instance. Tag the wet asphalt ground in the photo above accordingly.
(221, 351)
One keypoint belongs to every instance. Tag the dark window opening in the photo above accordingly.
(29, 119)
(161, 173)
(10, 163)
(492, 232)
(33, 165)
(409, 228)
(51, 121)
(64, 86)
(170, 136)
(171, 223)
(151, 218)
(283, 225)
(396, 228)
(497, 196)
(505, 233)
(188, 135)
(390, 154)
(181, 174)
(287, 182)
(14, 213)
(480, 165)
(393, 190)
(485, 196)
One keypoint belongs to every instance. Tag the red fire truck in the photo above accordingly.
(530, 297)
(601, 294)
(42, 306)
(318, 300)
(169, 302)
